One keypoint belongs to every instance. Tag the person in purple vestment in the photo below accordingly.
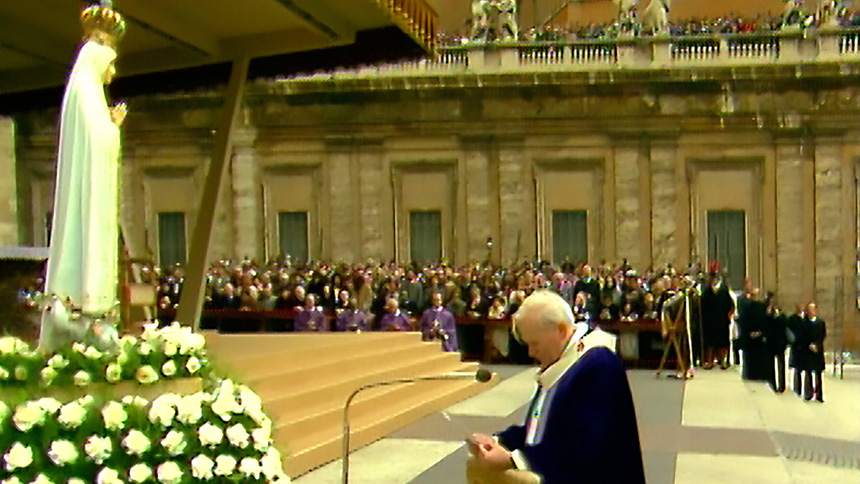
(311, 317)
(581, 425)
(437, 323)
(394, 319)
(351, 318)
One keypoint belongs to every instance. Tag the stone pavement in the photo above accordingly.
(715, 428)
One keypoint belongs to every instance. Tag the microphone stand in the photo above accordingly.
(481, 375)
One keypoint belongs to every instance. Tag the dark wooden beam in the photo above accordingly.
(191, 298)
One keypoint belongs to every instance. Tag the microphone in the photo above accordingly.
(482, 375)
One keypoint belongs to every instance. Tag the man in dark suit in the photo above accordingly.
(757, 362)
(776, 327)
(717, 308)
(589, 285)
(811, 341)
(798, 347)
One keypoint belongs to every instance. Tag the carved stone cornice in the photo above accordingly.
(348, 141)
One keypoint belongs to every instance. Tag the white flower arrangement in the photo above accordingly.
(202, 467)
(136, 442)
(174, 442)
(250, 467)
(98, 448)
(28, 415)
(114, 416)
(108, 476)
(168, 369)
(63, 452)
(82, 378)
(210, 435)
(73, 413)
(139, 472)
(146, 375)
(225, 465)
(171, 352)
(18, 457)
(169, 473)
(238, 436)
(220, 434)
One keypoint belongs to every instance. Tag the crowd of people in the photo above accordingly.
(731, 24)
(607, 292)
(432, 298)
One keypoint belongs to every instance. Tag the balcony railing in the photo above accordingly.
(646, 52)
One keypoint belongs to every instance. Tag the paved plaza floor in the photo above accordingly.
(715, 428)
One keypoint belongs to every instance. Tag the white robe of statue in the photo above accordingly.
(82, 268)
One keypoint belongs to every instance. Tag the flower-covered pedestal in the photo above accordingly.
(63, 419)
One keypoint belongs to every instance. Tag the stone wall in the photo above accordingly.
(8, 184)
(641, 146)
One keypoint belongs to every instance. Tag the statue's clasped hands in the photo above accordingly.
(118, 112)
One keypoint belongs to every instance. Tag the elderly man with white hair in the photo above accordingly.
(581, 425)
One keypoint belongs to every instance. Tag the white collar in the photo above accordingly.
(578, 345)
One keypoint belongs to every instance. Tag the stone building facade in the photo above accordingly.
(645, 155)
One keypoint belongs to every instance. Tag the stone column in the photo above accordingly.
(342, 223)
(828, 226)
(627, 207)
(247, 196)
(478, 216)
(513, 179)
(372, 180)
(8, 184)
(789, 223)
(664, 194)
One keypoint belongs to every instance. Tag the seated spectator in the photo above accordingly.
(453, 301)
(297, 298)
(310, 317)
(438, 324)
(580, 308)
(394, 319)
(628, 314)
(227, 298)
(475, 309)
(283, 301)
(344, 301)
(267, 299)
(249, 300)
(499, 308)
(351, 318)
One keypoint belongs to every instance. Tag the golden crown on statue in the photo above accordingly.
(103, 24)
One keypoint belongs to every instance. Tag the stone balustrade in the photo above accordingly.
(646, 52)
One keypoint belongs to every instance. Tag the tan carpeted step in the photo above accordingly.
(339, 368)
(337, 387)
(328, 414)
(259, 355)
(370, 427)
(305, 378)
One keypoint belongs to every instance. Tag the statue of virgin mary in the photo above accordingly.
(82, 272)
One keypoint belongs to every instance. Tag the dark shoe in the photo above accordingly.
(725, 366)
(708, 367)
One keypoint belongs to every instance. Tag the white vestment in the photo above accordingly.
(82, 268)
